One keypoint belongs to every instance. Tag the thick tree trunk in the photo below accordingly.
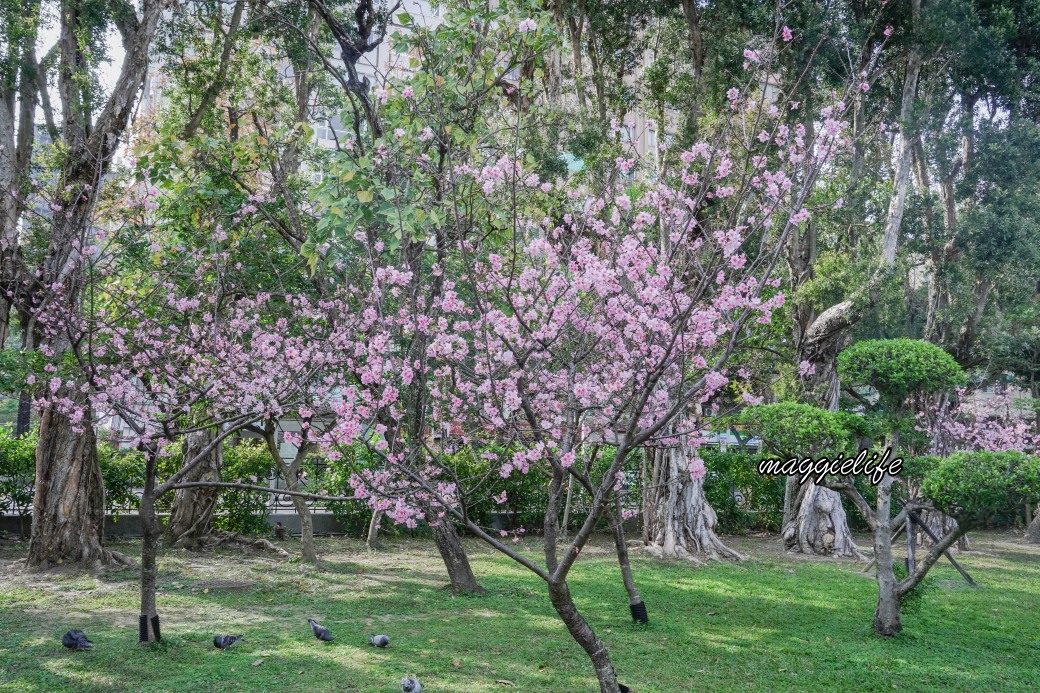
(69, 502)
(1033, 531)
(191, 517)
(583, 634)
(816, 523)
(814, 519)
(683, 521)
(941, 524)
(455, 560)
(69, 498)
(372, 539)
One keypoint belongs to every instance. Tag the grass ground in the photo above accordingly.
(773, 623)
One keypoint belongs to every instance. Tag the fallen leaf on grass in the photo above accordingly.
(456, 663)
(713, 613)
(258, 662)
(505, 682)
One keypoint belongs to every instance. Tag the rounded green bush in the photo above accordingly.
(976, 487)
(791, 429)
(899, 368)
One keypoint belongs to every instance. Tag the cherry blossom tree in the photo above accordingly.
(974, 421)
(184, 351)
(573, 329)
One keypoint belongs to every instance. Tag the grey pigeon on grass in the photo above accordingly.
(226, 641)
(410, 685)
(379, 640)
(320, 631)
(76, 640)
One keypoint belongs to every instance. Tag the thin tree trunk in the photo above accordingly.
(901, 178)
(148, 619)
(191, 516)
(303, 511)
(372, 539)
(567, 508)
(290, 472)
(463, 581)
(635, 600)
(578, 627)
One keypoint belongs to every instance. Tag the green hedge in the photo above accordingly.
(760, 506)
(17, 471)
(239, 510)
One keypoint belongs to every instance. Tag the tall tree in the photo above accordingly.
(68, 509)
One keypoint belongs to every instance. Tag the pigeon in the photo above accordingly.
(410, 685)
(76, 640)
(379, 640)
(320, 631)
(226, 641)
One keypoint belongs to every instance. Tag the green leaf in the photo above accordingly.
(364, 196)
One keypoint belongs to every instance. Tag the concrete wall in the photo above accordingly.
(130, 525)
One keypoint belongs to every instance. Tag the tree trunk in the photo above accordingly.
(886, 615)
(635, 600)
(191, 517)
(583, 634)
(303, 511)
(291, 475)
(69, 499)
(372, 540)
(1033, 531)
(683, 521)
(814, 520)
(901, 176)
(941, 524)
(455, 560)
(148, 621)
(816, 523)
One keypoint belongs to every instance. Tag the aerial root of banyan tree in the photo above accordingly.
(817, 524)
(682, 522)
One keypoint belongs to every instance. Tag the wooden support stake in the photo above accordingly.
(913, 516)
(911, 559)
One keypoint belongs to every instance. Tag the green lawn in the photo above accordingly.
(773, 623)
